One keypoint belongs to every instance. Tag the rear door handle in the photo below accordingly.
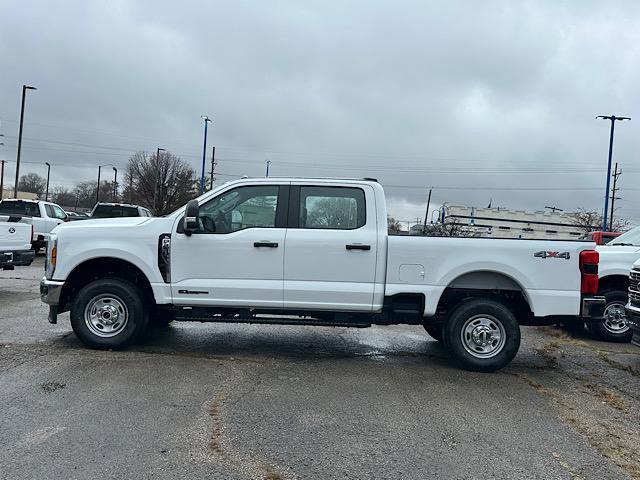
(358, 246)
(265, 244)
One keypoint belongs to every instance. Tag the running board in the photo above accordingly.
(201, 316)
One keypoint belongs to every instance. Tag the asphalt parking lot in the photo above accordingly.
(279, 402)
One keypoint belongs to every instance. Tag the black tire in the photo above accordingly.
(125, 298)
(609, 329)
(161, 318)
(435, 331)
(494, 322)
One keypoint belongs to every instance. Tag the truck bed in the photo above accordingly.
(547, 272)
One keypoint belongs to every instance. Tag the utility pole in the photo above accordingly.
(213, 164)
(613, 119)
(98, 189)
(554, 209)
(157, 182)
(615, 175)
(24, 94)
(426, 213)
(1, 178)
(46, 195)
(115, 184)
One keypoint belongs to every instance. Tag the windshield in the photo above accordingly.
(111, 211)
(27, 209)
(632, 237)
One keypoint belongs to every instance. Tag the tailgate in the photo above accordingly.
(15, 236)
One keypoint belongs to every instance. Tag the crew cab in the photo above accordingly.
(44, 216)
(15, 245)
(311, 252)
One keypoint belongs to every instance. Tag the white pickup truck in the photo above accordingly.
(44, 216)
(616, 258)
(311, 252)
(15, 245)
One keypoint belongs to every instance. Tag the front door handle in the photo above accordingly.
(265, 244)
(358, 246)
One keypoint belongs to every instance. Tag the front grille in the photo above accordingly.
(634, 288)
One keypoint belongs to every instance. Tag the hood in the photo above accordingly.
(103, 223)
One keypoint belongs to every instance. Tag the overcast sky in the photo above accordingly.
(478, 99)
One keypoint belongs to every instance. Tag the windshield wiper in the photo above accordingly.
(623, 244)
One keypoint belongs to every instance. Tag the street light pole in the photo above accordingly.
(204, 152)
(268, 162)
(115, 184)
(613, 119)
(46, 195)
(157, 180)
(24, 93)
(98, 187)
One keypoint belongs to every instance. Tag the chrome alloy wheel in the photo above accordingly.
(615, 319)
(106, 315)
(483, 336)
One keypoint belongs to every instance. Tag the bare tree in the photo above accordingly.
(393, 225)
(32, 183)
(160, 184)
(63, 196)
(85, 193)
(590, 221)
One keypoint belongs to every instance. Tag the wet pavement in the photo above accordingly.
(278, 402)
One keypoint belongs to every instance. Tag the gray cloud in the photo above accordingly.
(494, 98)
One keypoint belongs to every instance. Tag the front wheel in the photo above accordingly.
(483, 335)
(108, 314)
(613, 327)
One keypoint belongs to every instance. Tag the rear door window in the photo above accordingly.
(332, 208)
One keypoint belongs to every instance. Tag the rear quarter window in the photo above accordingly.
(25, 209)
(113, 211)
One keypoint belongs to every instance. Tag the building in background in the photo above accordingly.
(504, 223)
(21, 195)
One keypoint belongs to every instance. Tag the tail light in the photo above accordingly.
(33, 233)
(589, 271)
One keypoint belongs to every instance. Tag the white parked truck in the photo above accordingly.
(616, 258)
(311, 252)
(44, 216)
(15, 245)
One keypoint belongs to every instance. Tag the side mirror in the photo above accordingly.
(191, 214)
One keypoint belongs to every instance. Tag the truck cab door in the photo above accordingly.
(235, 258)
(332, 247)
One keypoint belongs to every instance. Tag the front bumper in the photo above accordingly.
(21, 258)
(593, 307)
(50, 291)
(633, 319)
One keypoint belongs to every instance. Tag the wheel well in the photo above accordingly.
(613, 282)
(486, 284)
(103, 267)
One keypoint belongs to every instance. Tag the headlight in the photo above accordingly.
(52, 256)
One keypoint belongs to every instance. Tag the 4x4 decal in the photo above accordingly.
(547, 254)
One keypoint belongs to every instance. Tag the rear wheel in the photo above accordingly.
(108, 314)
(613, 327)
(483, 335)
